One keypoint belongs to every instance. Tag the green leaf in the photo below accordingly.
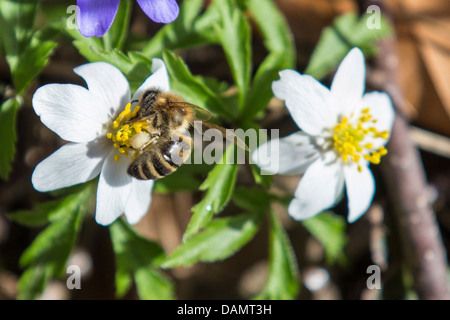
(188, 30)
(283, 281)
(252, 199)
(219, 185)
(329, 229)
(152, 284)
(32, 282)
(347, 31)
(8, 136)
(261, 91)
(16, 22)
(263, 179)
(278, 40)
(185, 178)
(134, 65)
(47, 255)
(116, 35)
(44, 213)
(274, 28)
(89, 47)
(26, 53)
(138, 257)
(234, 34)
(33, 59)
(192, 88)
(220, 239)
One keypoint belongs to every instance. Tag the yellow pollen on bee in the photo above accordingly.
(122, 130)
(349, 139)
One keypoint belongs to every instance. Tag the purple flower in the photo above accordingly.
(96, 16)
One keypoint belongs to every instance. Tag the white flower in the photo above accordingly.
(91, 119)
(343, 131)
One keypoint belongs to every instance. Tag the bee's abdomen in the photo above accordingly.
(150, 166)
(158, 161)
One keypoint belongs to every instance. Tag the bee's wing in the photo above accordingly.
(202, 116)
(227, 134)
(197, 112)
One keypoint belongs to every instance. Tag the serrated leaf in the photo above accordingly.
(89, 47)
(234, 33)
(8, 135)
(134, 65)
(329, 229)
(47, 255)
(138, 257)
(274, 28)
(33, 59)
(347, 31)
(219, 185)
(192, 88)
(53, 245)
(43, 213)
(220, 239)
(283, 281)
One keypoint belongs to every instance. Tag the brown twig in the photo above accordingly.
(422, 245)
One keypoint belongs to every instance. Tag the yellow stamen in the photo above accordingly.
(123, 130)
(349, 136)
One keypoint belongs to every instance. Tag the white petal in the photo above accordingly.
(318, 190)
(71, 111)
(139, 200)
(71, 164)
(360, 190)
(158, 80)
(288, 155)
(114, 187)
(108, 83)
(382, 110)
(307, 101)
(348, 83)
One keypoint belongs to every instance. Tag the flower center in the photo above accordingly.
(128, 135)
(350, 140)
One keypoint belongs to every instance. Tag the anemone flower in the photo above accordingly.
(92, 120)
(343, 130)
(96, 16)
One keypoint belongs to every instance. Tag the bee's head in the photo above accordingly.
(147, 101)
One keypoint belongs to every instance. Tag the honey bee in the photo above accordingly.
(165, 144)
